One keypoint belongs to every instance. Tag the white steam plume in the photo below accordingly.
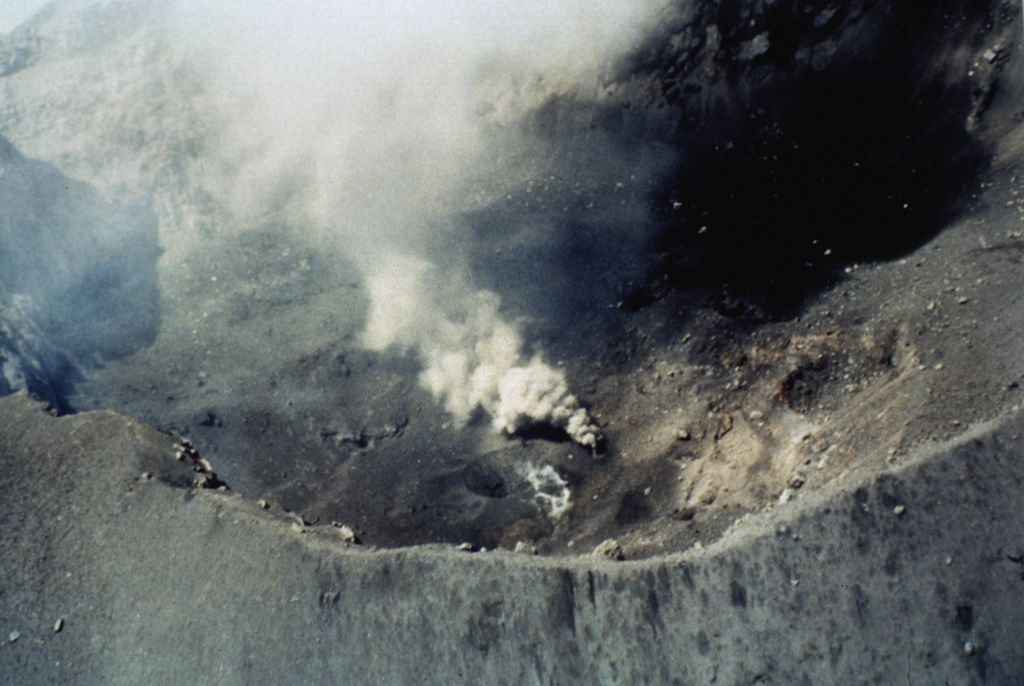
(374, 125)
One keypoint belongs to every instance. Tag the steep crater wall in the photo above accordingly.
(803, 137)
(77, 277)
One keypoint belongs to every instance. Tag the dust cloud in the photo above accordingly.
(376, 127)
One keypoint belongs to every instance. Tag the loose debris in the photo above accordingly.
(611, 549)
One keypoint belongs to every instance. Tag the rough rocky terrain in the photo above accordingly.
(800, 330)
(119, 568)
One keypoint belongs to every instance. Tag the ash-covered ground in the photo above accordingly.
(758, 245)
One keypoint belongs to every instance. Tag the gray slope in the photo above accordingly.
(160, 584)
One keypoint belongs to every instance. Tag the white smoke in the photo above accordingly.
(472, 358)
(373, 125)
(539, 394)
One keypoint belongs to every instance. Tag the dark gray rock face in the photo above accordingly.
(794, 125)
(77, 276)
(27, 361)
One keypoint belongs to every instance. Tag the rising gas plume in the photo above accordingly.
(377, 127)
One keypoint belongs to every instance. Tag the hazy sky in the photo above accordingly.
(14, 12)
